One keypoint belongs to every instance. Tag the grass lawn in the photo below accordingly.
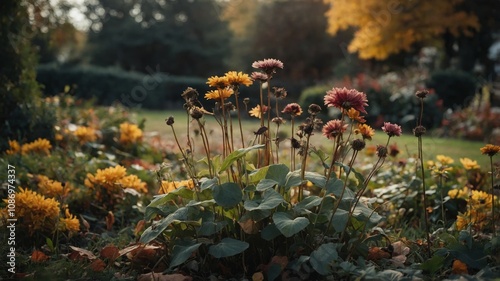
(407, 143)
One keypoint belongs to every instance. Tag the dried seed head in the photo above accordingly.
(170, 120)
(422, 94)
(314, 109)
(261, 130)
(189, 94)
(196, 112)
(278, 120)
(419, 131)
(358, 144)
(381, 151)
(295, 143)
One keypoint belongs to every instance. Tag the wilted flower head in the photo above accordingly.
(196, 112)
(221, 93)
(189, 94)
(279, 92)
(260, 76)
(490, 149)
(334, 128)
(170, 120)
(269, 66)
(278, 120)
(419, 131)
(293, 109)
(393, 150)
(358, 144)
(257, 111)
(392, 129)
(314, 109)
(218, 82)
(344, 98)
(238, 78)
(422, 94)
(381, 151)
(365, 130)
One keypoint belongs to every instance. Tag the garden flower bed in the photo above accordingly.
(298, 199)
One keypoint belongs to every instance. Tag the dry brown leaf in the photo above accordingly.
(110, 220)
(258, 276)
(249, 226)
(38, 256)
(377, 253)
(139, 227)
(162, 277)
(129, 249)
(79, 254)
(110, 252)
(98, 265)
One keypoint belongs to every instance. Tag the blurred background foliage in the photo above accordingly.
(143, 53)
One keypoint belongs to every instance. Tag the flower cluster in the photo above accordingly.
(39, 146)
(69, 223)
(130, 133)
(51, 188)
(85, 134)
(479, 205)
(169, 186)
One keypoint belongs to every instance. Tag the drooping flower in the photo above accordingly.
(238, 78)
(392, 129)
(269, 66)
(353, 114)
(469, 164)
(259, 76)
(218, 82)
(14, 147)
(69, 223)
(169, 186)
(130, 133)
(334, 128)
(293, 109)
(85, 134)
(344, 98)
(257, 111)
(365, 130)
(41, 146)
(222, 93)
(490, 149)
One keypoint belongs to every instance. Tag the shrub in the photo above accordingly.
(454, 87)
(314, 94)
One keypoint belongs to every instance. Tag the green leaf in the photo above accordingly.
(266, 184)
(433, 264)
(158, 227)
(305, 205)
(357, 174)
(181, 253)
(270, 200)
(278, 172)
(317, 179)
(210, 228)
(228, 194)
(227, 247)
(209, 183)
(340, 219)
(322, 258)
(270, 232)
(335, 186)
(365, 214)
(273, 271)
(237, 154)
(288, 226)
(293, 179)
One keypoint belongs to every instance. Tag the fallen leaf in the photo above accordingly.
(258, 276)
(110, 252)
(163, 277)
(139, 227)
(376, 253)
(79, 254)
(38, 256)
(98, 265)
(110, 220)
(85, 223)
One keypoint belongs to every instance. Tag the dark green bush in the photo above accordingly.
(314, 94)
(456, 88)
(109, 85)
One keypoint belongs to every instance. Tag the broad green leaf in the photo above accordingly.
(287, 225)
(270, 232)
(317, 179)
(340, 219)
(209, 183)
(305, 205)
(365, 214)
(210, 228)
(293, 179)
(266, 184)
(322, 258)
(158, 227)
(204, 203)
(270, 200)
(161, 200)
(357, 174)
(237, 154)
(335, 186)
(256, 215)
(257, 175)
(433, 264)
(181, 253)
(278, 172)
(228, 194)
(273, 271)
(227, 247)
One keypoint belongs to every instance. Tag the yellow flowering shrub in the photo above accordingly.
(51, 188)
(69, 223)
(130, 133)
(169, 186)
(85, 134)
(478, 213)
(39, 146)
(15, 148)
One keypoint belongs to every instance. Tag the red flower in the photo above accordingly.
(268, 65)
(333, 128)
(344, 98)
(392, 129)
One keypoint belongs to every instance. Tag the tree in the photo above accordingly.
(384, 28)
(177, 37)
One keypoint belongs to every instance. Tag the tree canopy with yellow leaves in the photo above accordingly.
(383, 28)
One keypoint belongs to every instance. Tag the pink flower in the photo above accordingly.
(333, 128)
(392, 129)
(293, 109)
(259, 76)
(268, 65)
(344, 98)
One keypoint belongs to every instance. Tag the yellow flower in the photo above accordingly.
(106, 178)
(218, 82)
(481, 199)
(51, 188)
(469, 164)
(257, 112)
(69, 223)
(35, 212)
(238, 78)
(134, 182)
(14, 147)
(430, 164)
(490, 149)
(370, 150)
(353, 114)
(366, 131)
(459, 193)
(444, 160)
(37, 146)
(222, 93)
(169, 186)
(462, 221)
(85, 134)
(130, 133)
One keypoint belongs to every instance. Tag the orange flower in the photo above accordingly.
(490, 149)
(222, 93)
(218, 82)
(459, 267)
(353, 114)
(365, 130)
(237, 78)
